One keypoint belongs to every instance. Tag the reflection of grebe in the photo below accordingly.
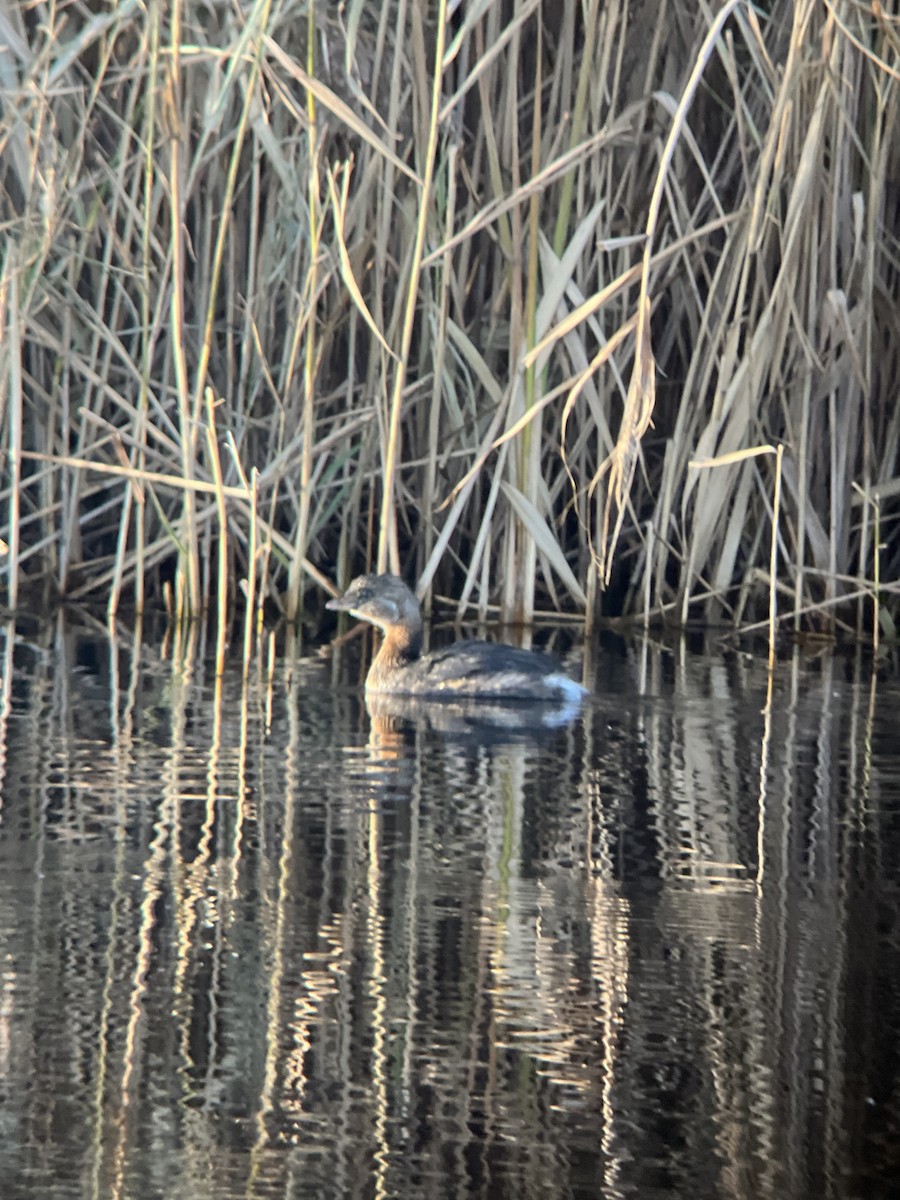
(467, 669)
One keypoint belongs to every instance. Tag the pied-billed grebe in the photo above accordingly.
(469, 668)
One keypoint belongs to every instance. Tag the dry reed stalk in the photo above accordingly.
(641, 398)
(187, 579)
(14, 416)
(441, 378)
(773, 561)
(533, 436)
(387, 533)
(249, 611)
(222, 582)
(295, 583)
(871, 500)
(731, 459)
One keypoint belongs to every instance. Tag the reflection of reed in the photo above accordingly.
(154, 884)
(391, 953)
(290, 1061)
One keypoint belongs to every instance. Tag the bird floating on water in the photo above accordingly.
(467, 669)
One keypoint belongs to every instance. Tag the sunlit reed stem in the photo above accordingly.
(512, 567)
(648, 573)
(260, 17)
(387, 531)
(251, 571)
(641, 398)
(265, 556)
(871, 500)
(147, 233)
(187, 578)
(533, 433)
(803, 466)
(121, 550)
(586, 75)
(731, 459)
(440, 335)
(6, 685)
(222, 588)
(876, 599)
(15, 434)
(295, 581)
(773, 558)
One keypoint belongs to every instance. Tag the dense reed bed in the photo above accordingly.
(462, 290)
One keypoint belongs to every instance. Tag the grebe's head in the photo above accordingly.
(383, 600)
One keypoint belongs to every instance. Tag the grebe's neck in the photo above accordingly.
(402, 645)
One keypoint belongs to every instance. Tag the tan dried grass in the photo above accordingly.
(440, 307)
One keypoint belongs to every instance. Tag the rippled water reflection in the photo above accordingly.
(256, 943)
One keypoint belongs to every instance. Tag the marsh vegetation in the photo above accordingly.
(462, 290)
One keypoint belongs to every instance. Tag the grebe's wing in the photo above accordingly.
(491, 669)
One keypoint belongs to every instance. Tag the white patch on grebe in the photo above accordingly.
(567, 687)
(554, 687)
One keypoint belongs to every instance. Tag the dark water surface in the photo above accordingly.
(254, 942)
